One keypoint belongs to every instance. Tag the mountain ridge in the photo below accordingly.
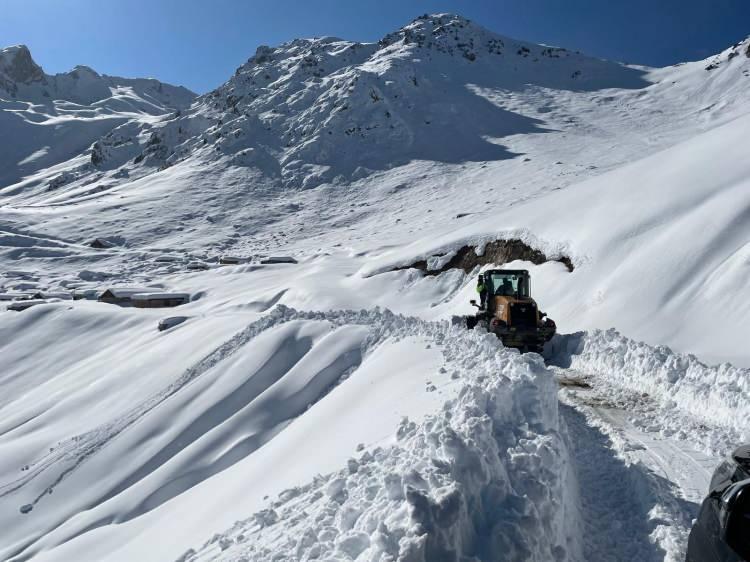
(23, 79)
(51, 119)
(287, 109)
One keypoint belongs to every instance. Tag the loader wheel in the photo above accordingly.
(471, 322)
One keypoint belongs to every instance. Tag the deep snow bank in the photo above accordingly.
(487, 476)
(718, 395)
(478, 468)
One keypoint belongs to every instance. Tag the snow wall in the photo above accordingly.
(486, 477)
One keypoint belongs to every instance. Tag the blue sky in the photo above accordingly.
(199, 44)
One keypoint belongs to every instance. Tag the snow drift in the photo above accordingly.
(486, 474)
(485, 477)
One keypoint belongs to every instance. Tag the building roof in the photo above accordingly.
(15, 296)
(157, 296)
(23, 305)
(126, 292)
(279, 259)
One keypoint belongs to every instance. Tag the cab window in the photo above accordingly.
(510, 285)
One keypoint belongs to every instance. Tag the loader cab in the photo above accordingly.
(514, 284)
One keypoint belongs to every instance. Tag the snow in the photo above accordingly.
(630, 510)
(128, 292)
(490, 432)
(171, 322)
(278, 259)
(329, 408)
(23, 304)
(85, 294)
(672, 137)
(442, 489)
(626, 235)
(15, 296)
(660, 421)
(680, 385)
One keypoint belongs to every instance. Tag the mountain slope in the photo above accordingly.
(440, 125)
(328, 112)
(49, 119)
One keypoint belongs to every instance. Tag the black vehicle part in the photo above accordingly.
(523, 315)
(741, 456)
(734, 517)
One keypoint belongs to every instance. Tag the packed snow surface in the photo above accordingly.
(325, 407)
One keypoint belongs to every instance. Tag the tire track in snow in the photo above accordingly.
(675, 461)
(615, 519)
(657, 482)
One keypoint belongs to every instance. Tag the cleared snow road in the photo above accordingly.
(640, 488)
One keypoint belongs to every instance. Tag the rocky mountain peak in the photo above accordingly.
(330, 111)
(23, 79)
(81, 69)
(17, 66)
(446, 33)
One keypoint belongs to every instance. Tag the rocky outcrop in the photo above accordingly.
(497, 253)
(17, 67)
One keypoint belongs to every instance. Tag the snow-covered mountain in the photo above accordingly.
(48, 119)
(328, 408)
(320, 111)
(315, 111)
(24, 80)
